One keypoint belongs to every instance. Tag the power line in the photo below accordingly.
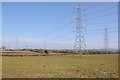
(92, 18)
(56, 29)
(100, 11)
(59, 28)
(94, 6)
(78, 18)
(103, 23)
(102, 32)
(63, 35)
(102, 16)
(101, 29)
(61, 20)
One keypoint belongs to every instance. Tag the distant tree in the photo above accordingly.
(46, 52)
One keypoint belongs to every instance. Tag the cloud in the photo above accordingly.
(10, 42)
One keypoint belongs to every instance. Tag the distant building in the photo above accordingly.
(2, 48)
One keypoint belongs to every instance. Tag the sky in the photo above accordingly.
(30, 24)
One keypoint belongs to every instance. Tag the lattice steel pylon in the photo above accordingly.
(16, 46)
(79, 39)
(106, 43)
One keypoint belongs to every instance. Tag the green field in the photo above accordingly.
(68, 66)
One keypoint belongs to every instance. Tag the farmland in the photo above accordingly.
(59, 39)
(64, 66)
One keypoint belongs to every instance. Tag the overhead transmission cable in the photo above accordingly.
(100, 11)
(94, 6)
(61, 20)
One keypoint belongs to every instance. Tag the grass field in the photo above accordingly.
(68, 66)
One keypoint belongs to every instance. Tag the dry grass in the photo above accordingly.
(68, 66)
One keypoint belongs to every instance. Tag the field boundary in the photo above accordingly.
(35, 55)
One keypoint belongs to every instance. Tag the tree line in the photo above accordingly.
(71, 51)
